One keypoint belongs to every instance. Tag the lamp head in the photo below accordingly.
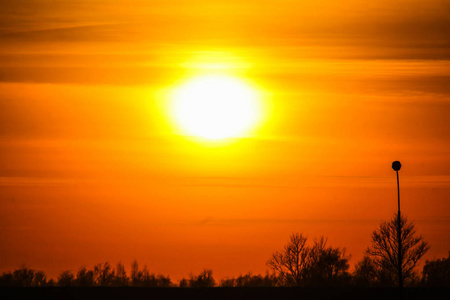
(396, 165)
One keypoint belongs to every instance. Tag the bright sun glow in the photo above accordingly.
(216, 107)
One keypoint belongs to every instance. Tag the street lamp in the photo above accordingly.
(396, 165)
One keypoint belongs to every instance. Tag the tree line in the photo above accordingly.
(297, 264)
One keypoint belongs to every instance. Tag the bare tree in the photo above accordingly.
(319, 265)
(290, 262)
(385, 247)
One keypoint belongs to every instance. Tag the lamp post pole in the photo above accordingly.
(396, 165)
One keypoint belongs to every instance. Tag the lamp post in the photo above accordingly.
(396, 165)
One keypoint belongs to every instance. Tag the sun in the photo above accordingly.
(215, 107)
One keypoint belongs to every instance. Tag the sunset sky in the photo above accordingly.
(95, 167)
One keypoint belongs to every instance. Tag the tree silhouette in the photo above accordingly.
(326, 266)
(85, 277)
(300, 265)
(204, 279)
(437, 272)
(51, 282)
(66, 278)
(136, 274)
(6, 279)
(121, 278)
(385, 248)
(289, 263)
(368, 274)
(152, 280)
(183, 283)
(23, 277)
(249, 280)
(40, 279)
(103, 274)
(143, 278)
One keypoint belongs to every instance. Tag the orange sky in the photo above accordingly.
(92, 168)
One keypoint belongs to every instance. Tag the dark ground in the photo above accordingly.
(221, 293)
